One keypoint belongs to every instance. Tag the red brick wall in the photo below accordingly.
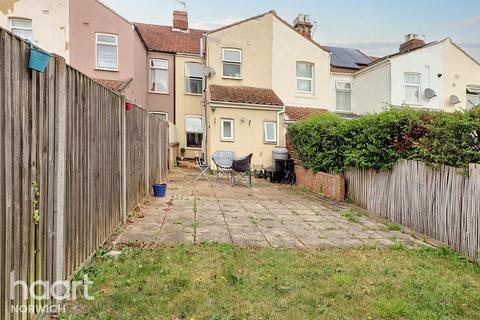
(328, 185)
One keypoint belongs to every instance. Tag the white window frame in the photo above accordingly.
(187, 132)
(312, 79)
(161, 113)
(187, 77)
(232, 62)
(222, 132)
(265, 125)
(106, 44)
(20, 28)
(343, 90)
(151, 68)
(418, 85)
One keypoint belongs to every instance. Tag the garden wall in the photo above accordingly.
(329, 185)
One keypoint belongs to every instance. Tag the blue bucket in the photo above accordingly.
(38, 60)
(159, 190)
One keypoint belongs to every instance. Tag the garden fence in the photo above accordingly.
(443, 203)
(73, 163)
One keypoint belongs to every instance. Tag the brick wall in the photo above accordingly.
(329, 185)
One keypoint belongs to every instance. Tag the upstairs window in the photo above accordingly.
(232, 63)
(22, 28)
(304, 77)
(194, 78)
(107, 51)
(158, 76)
(194, 132)
(270, 132)
(473, 96)
(343, 95)
(412, 87)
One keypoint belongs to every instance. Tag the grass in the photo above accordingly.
(214, 281)
(395, 227)
(353, 215)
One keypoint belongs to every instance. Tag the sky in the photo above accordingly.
(374, 26)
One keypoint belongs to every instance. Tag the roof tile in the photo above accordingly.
(300, 113)
(248, 95)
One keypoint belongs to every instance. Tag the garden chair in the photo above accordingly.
(204, 169)
(223, 161)
(242, 168)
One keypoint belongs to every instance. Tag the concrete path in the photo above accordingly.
(265, 215)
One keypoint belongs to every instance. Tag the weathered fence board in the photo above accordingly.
(62, 168)
(442, 203)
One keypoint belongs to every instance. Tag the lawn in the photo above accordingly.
(214, 281)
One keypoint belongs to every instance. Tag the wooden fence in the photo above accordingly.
(63, 176)
(443, 203)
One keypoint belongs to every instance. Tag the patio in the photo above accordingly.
(264, 215)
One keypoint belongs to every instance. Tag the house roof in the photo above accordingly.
(299, 113)
(245, 95)
(115, 85)
(347, 60)
(158, 38)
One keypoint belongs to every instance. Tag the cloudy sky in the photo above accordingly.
(375, 26)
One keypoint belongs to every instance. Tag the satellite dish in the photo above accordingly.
(454, 99)
(429, 93)
(208, 71)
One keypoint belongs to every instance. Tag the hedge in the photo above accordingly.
(326, 142)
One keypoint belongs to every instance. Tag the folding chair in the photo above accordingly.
(223, 161)
(242, 167)
(204, 169)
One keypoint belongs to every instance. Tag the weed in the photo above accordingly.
(395, 227)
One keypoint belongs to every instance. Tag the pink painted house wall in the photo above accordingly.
(161, 102)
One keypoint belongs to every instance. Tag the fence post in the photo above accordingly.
(147, 153)
(60, 160)
(123, 155)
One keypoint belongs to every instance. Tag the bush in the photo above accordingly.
(325, 142)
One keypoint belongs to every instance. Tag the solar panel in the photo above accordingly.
(359, 57)
(347, 57)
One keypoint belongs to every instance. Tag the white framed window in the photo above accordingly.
(158, 76)
(343, 94)
(194, 132)
(106, 51)
(22, 28)
(194, 78)
(473, 96)
(227, 129)
(304, 77)
(412, 87)
(232, 63)
(270, 132)
(161, 115)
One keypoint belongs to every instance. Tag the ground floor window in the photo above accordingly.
(343, 96)
(473, 97)
(227, 130)
(270, 132)
(194, 131)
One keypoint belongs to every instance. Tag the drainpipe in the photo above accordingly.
(278, 125)
(205, 103)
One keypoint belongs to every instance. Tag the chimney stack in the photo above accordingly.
(303, 25)
(180, 20)
(412, 41)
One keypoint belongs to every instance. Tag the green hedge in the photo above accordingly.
(326, 142)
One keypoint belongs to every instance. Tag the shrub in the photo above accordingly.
(325, 142)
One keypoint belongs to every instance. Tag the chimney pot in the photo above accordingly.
(180, 20)
(412, 41)
(303, 25)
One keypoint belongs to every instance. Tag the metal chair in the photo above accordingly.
(242, 168)
(223, 161)
(204, 169)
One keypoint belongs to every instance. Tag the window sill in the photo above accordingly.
(270, 142)
(194, 94)
(109, 70)
(156, 92)
(232, 78)
(193, 149)
(227, 140)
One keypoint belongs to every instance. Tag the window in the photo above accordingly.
(194, 78)
(473, 96)
(107, 51)
(22, 28)
(412, 87)
(270, 133)
(158, 76)
(232, 63)
(194, 132)
(304, 77)
(161, 115)
(343, 95)
(227, 130)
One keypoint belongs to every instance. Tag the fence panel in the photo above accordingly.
(442, 203)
